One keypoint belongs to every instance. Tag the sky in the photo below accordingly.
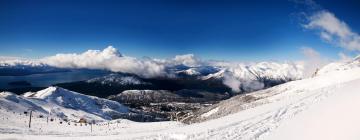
(249, 30)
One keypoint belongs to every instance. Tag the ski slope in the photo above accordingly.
(322, 107)
(62, 103)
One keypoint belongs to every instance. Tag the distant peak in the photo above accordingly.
(50, 91)
(53, 88)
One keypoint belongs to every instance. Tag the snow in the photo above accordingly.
(62, 103)
(322, 107)
(207, 114)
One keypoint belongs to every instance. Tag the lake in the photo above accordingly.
(48, 79)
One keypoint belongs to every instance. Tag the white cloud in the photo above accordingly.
(232, 82)
(187, 59)
(252, 85)
(326, 36)
(109, 59)
(334, 30)
(313, 61)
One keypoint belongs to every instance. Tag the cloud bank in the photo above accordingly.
(232, 82)
(107, 59)
(241, 84)
(187, 59)
(237, 76)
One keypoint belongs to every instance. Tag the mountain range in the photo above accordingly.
(265, 114)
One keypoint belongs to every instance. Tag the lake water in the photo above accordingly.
(48, 79)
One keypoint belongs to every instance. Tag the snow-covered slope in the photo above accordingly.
(248, 77)
(63, 103)
(339, 66)
(255, 71)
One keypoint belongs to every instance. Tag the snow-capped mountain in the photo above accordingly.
(18, 66)
(63, 103)
(118, 79)
(145, 96)
(195, 71)
(205, 70)
(270, 70)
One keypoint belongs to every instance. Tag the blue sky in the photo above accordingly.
(251, 30)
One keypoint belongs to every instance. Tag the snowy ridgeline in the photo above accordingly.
(62, 103)
(321, 107)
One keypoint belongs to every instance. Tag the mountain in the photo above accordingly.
(118, 79)
(205, 78)
(163, 96)
(340, 66)
(182, 70)
(19, 104)
(19, 67)
(116, 83)
(259, 72)
(250, 77)
(63, 103)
